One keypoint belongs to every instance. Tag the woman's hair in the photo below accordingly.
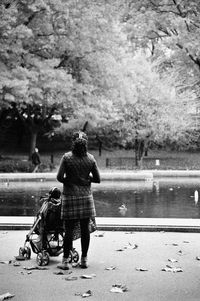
(79, 144)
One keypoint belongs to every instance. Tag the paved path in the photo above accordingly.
(153, 253)
(112, 223)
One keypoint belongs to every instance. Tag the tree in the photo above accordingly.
(169, 29)
(48, 58)
(154, 109)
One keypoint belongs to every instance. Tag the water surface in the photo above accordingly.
(163, 198)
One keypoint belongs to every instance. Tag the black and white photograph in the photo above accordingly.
(100, 150)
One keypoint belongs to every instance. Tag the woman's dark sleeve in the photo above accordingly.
(61, 171)
(95, 178)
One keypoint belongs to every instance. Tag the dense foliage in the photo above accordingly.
(128, 68)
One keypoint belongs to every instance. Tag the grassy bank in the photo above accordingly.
(122, 159)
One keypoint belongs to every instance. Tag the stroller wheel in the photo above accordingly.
(75, 256)
(42, 258)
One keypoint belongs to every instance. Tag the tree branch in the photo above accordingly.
(195, 60)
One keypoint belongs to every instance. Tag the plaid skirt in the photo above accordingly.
(74, 207)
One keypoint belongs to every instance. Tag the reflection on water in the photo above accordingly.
(163, 198)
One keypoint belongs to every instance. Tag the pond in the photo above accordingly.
(160, 198)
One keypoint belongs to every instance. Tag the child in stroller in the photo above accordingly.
(46, 235)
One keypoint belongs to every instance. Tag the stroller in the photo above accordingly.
(46, 235)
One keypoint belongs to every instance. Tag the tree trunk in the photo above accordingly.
(139, 152)
(33, 142)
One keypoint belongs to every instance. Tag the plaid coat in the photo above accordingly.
(76, 174)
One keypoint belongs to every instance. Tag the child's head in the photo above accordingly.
(54, 193)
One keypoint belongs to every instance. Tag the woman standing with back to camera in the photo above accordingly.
(77, 170)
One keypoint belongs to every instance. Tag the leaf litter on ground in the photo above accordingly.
(59, 273)
(35, 268)
(88, 276)
(169, 268)
(6, 296)
(172, 260)
(118, 288)
(84, 295)
(120, 250)
(129, 246)
(6, 261)
(71, 278)
(181, 253)
(25, 273)
(111, 268)
(141, 269)
(99, 234)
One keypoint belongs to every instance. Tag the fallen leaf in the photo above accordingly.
(118, 288)
(87, 294)
(181, 253)
(16, 264)
(58, 273)
(77, 294)
(141, 269)
(99, 234)
(27, 273)
(71, 278)
(6, 296)
(6, 262)
(172, 260)
(20, 257)
(171, 269)
(111, 268)
(35, 268)
(88, 276)
(132, 247)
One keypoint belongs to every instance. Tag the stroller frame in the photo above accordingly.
(50, 242)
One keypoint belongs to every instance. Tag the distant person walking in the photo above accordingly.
(36, 160)
(78, 169)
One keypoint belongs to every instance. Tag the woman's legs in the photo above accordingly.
(67, 244)
(68, 241)
(68, 238)
(85, 240)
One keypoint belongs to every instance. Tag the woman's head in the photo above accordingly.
(79, 144)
